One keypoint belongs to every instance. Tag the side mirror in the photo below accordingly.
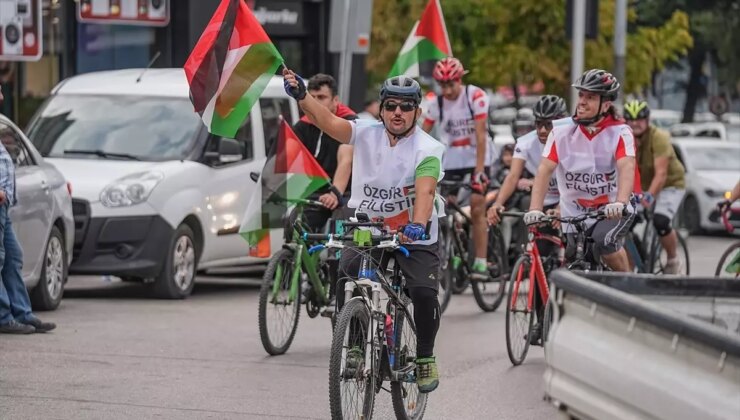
(229, 150)
(255, 176)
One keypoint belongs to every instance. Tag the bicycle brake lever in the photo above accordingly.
(404, 251)
(316, 248)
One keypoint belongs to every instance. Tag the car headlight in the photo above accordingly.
(131, 189)
(714, 193)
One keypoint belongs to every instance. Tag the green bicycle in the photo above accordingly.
(292, 276)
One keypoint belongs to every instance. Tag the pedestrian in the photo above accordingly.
(16, 316)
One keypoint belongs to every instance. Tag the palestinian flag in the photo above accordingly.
(229, 67)
(428, 40)
(291, 172)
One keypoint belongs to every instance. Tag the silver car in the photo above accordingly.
(42, 219)
(712, 169)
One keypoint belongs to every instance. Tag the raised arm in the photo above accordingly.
(320, 116)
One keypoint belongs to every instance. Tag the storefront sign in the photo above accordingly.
(279, 17)
(124, 12)
(20, 30)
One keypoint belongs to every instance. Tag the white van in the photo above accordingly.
(155, 197)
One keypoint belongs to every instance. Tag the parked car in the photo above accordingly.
(712, 169)
(156, 197)
(42, 219)
(715, 130)
(665, 118)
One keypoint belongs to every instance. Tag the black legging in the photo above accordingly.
(424, 299)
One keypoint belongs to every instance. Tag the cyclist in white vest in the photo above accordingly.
(395, 171)
(594, 163)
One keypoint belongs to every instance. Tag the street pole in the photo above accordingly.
(345, 57)
(579, 35)
(620, 45)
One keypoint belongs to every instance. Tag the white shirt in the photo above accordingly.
(383, 177)
(587, 163)
(457, 128)
(529, 149)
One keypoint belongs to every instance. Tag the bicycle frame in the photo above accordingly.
(537, 269)
(302, 262)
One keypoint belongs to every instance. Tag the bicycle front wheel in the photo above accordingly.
(445, 274)
(729, 264)
(353, 365)
(489, 293)
(408, 402)
(660, 257)
(519, 317)
(277, 312)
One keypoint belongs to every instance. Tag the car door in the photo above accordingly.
(31, 215)
(230, 185)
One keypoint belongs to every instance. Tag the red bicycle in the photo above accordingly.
(529, 282)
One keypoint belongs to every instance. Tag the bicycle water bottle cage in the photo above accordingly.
(362, 237)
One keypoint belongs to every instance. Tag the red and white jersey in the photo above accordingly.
(587, 163)
(457, 128)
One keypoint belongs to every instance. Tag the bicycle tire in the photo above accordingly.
(355, 314)
(547, 321)
(405, 331)
(656, 264)
(729, 252)
(458, 278)
(489, 302)
(517, 355)
(445, 292)
(445, 276)
(276, 347)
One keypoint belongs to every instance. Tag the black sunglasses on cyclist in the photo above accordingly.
(547, 124)
(406, 106)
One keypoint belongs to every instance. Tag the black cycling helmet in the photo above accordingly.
(550, 107)
(599, 81)
(636, 110)
(401, 87)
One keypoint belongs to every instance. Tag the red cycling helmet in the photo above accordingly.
(447, 69)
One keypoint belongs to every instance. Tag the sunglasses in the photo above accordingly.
(547, 124)
(406, 106)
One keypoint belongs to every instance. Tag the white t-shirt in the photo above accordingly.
(529, 149)
(587, 163)
(457, 129)
(383, 177)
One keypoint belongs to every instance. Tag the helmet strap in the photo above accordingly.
(592, 120)
(397, 137)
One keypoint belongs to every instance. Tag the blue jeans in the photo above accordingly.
(14, 301)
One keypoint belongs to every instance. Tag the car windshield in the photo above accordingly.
(115, 127)
(714, 159)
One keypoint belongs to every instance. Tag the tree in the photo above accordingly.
(506, 42)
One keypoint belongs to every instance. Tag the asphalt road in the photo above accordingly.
(119, 355)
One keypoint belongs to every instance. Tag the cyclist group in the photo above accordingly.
(596, 158)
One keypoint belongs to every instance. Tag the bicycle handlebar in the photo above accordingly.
(726, 220)
(382, 241)
(303, 201)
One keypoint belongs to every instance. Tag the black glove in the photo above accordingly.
(296, 92)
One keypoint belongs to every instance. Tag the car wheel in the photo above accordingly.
(177, 278)
(47, 294)
(691, 216)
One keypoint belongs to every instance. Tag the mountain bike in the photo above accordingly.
(646, 251)
(375, 335)
(292, 276)
(729, 263)
(456, 244)
(528, 279)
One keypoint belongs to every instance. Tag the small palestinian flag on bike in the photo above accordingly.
(290, 173)
(229, 67)
(427, 41)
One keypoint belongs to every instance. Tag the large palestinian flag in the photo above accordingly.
(428, 40)
(229, 67)
(290, 173)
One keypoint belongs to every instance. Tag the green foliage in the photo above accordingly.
(503, 42)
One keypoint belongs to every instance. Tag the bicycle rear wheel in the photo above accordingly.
(489, 293)
(408, 402)
(351, 380)
(519, 319)
(660, 257)
(729, 257)
(277, 314)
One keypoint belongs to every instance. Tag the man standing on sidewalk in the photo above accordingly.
(15, 306)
